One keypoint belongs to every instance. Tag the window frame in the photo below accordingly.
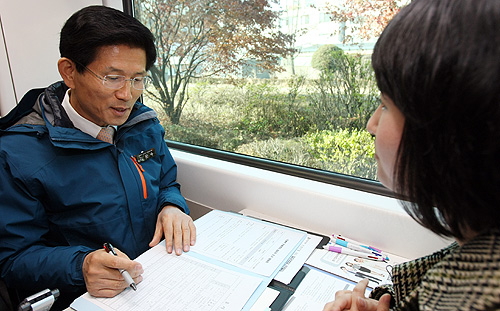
(328, 177)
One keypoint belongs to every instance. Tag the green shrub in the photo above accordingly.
(342, 151)
(345, 151)
(271, 111)
(328, 57)
(283, 150)
(274, 120)
(206, 134)
(345, 94)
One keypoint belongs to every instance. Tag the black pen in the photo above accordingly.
(109, 248)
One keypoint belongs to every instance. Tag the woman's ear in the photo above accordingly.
(67, 70)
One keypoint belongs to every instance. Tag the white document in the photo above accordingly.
(175, 283)
(354, 268)
(265, 300)
(296, 261)
(251, 244)
(233, 261)
(316, 289)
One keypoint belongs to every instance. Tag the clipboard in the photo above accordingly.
(287, 290)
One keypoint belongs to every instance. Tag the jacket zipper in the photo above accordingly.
(140, 170)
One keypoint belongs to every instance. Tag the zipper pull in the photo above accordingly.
(143, 180)
(137, 164)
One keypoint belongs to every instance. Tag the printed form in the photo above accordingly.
(315, 290)
(175, 283)
(233, 261)
(244, 242)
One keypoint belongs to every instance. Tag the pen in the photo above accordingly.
(357, 247)
(352, 242)
(351, 252)
(109, 248)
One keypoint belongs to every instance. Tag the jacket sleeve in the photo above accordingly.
(170, 192)
(27, 261)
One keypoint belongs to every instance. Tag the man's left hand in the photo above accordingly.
(178, 229)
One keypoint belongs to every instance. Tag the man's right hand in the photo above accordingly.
(101, 275)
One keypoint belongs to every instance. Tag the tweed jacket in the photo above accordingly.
(457, 277)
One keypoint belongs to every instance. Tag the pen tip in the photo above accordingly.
(134, 287)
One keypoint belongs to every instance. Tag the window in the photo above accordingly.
(305, 19)
(325, 17)
(237, 82)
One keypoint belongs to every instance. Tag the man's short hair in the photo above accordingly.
(93, 27)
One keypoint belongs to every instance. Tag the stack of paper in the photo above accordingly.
(233, 261)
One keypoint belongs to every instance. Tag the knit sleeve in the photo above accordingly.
(382, 290)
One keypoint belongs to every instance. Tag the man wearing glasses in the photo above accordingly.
(84, 163)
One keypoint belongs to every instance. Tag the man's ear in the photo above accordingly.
(67, 70)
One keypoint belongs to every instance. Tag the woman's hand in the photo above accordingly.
(355, 300)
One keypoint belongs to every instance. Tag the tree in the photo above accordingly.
(200, 38)
(345, 94)
(327, 58)
(366, 18)
(292, 10)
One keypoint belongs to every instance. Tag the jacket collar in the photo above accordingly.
(43, 109)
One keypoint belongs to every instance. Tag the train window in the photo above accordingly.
(283, 84)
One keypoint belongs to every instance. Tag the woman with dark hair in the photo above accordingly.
(437, 142)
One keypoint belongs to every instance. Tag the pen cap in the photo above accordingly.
(335, 249)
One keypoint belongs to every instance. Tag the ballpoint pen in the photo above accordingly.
(346, 251)
(352, 242)
(356, 247)
(109, 248)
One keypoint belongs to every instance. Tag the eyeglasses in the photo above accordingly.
(116, 82)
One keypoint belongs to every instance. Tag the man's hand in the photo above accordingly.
(355, 300)
(178, 229)
(101, 275)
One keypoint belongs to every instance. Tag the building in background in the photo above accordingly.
(312, 23)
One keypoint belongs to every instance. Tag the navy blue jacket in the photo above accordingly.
(64, 193)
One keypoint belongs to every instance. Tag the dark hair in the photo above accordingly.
(439, 61)
(93, 27)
